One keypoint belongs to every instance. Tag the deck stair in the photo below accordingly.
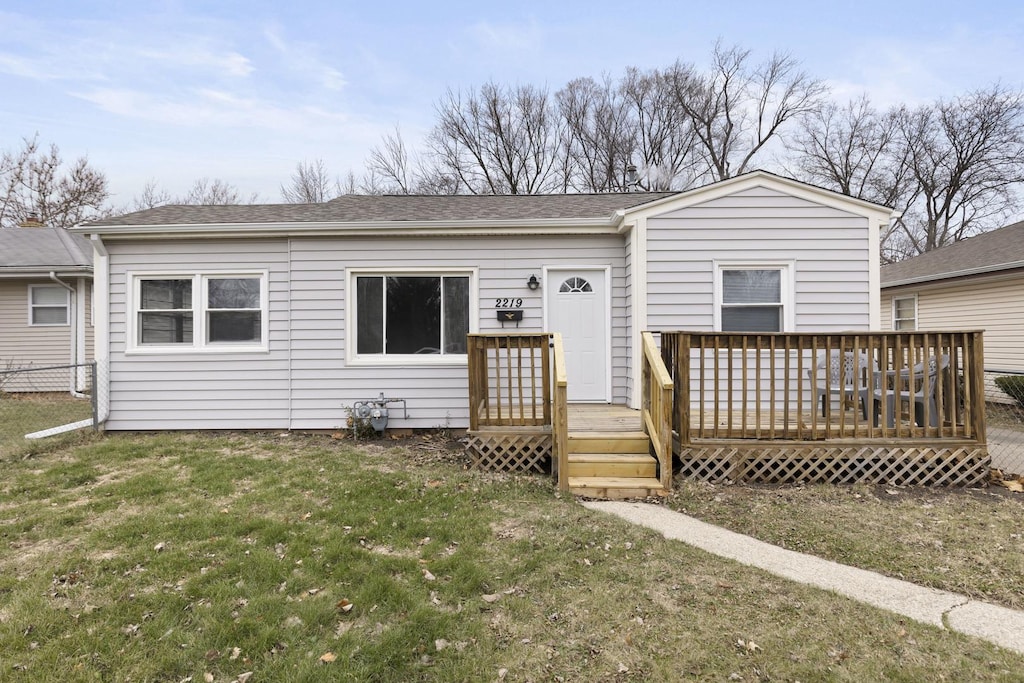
(612, 465)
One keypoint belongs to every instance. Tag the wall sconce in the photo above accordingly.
(533, 283)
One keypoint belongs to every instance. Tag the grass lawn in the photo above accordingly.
(22, 414)
(239, 557)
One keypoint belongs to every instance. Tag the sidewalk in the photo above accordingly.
(999, 625)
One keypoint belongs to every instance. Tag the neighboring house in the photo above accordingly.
(45, 303)
(977, 283)
(282, 316)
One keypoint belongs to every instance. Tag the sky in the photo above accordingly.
(169, 92)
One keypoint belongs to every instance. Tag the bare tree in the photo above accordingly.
(600, 135)
(498, 140)
(737, 108)
(310, 184)
(152, 196)
(966, 158)
(215, 191)
(36, 182)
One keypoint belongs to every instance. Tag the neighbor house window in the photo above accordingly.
(752, 298)
(209, 311)
(48, 305)
(416, 314)
(904, 313)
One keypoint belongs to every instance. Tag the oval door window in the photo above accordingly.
(575, 284)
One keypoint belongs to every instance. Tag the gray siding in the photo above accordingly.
(829, 247)
(305, 381)
(199, 390)
(323, 384)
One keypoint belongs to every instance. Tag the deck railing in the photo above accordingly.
(820, 387)
(560, 410)
(509, 380)
(657, 406)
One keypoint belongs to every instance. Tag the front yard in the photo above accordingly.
(235, 557)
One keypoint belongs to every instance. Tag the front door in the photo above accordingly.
(577, 307)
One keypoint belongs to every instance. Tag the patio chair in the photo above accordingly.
(838, 374)
(925, 377)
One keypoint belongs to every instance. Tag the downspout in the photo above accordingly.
(73, 315)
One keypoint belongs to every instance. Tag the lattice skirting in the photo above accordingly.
(898, 465)
(509, 451)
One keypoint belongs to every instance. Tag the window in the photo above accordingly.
(48, 305)
(904, 313)
(752, 298)
(209, 311)
(416, 314)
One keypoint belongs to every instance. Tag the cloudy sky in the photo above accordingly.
(242, 91)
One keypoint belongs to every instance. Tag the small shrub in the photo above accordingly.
(1012, 386)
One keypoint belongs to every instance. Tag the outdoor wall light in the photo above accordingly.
(533, 283)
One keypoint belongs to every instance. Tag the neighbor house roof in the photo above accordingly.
(997, 250)
(40, 250)
(395, 208)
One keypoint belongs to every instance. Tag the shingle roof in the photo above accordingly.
(387, 208)
(995, 250)
(43, 248)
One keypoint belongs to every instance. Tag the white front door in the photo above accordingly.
(577, 307)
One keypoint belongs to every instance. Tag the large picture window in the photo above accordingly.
(215, 311)
(415, 314)
(48, 305)
(752, 298)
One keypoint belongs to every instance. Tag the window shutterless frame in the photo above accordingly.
(209, 311)
(754, 291)
(48, 306)
(410, 316)
(904, 312)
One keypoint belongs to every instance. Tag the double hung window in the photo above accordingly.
(904, 313)
(752, 298)
(48, 305)
(415, 314)
(203, 311)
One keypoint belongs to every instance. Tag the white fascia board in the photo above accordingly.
(586, 226)
(44, 271)
(754, 179)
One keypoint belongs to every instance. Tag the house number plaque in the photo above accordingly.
(508, 303)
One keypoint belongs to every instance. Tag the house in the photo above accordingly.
(975, 283)
(45, 303)
(284, 316)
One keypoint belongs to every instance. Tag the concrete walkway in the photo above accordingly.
(1000, 625)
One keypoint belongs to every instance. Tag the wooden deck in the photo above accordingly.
(603, 418)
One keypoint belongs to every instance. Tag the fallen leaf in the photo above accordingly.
(428, 576)
(243, 677)
(159, 546)
(1013, 484)
(212, 655)
(502, 673)
(208, 677)
(235, 652)
(490, 597)
(440, 644)
(328, 657)
(344, 605)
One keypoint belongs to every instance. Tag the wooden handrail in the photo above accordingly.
(560, 413)
(657, 406)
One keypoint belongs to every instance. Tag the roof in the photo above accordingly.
(996, 250)
(32, 250)
(394, 208)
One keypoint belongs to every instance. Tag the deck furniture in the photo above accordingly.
(915, 386)
(843, 374)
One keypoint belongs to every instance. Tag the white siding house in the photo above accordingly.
(281, 316)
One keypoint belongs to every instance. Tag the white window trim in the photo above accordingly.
(893, 318)
(353, 358)
(199, 310)
(32, 307)
(786, 285)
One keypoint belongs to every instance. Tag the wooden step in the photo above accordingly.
(612, 465)
(616, 488)
(608, 442)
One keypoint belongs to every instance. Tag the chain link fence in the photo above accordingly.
(36, 402)
(1005, 417)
